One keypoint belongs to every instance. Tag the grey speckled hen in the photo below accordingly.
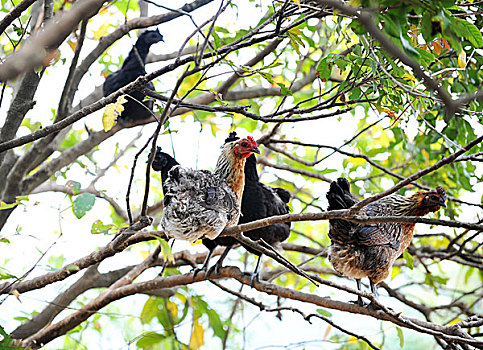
(200, 203)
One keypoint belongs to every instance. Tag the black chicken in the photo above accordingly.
(369, 250)
(133, 68)
(259, 201)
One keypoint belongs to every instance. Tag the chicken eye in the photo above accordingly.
(244, 144)
(433, 197)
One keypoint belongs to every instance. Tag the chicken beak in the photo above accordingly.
(443, 204)
(255, 150)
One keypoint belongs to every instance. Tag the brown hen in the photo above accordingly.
(369, 250)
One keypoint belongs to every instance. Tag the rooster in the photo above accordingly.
(132, 68)
(369, 250)
(200, 203)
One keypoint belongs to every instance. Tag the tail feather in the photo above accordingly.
(283, 194)
(340, 197)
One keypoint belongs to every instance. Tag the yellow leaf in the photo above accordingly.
(388, 111)
(297, 2)
(295, 31)
(144, 254)
(462, 59)
(172, 308)
(395, 271)
(327, 331)
(353, 340)
(111, 113)
(16, 294)
(358, 161)
(425, 154)
(166, 250)
(279, 79)
(99, 33)
(197, 336)
(72, 44)
(455, 321)
(410, 77)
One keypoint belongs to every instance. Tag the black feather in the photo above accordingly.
(132, 68)
(163, 163)
(340, 197)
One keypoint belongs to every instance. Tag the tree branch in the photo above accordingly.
(33, 53)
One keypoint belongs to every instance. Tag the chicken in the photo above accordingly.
(133, 68)
(200, 203)
(259, 201)
(369, 250)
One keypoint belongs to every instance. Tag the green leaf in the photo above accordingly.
(99, 227)
(425, 57)
(3, 333)
(324, 312)
(216, 324)
(73, 186)
(4, 205)
(150, 310)
(166, 250)
(4, 240)
(400, 335)
(324, 68)
(426, 26)
(294, 43)
(341, 63)
(56, 261)
(82, 204)
(392, 27)
(355, 94)
(5, 275)
(409, 259)
(22, 198)
(294, 35)
(284, 90)
(72, 267)
(267, 76)
(150, 339)
(469, 31)
(468, 273)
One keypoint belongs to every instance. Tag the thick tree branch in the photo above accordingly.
(447, 333)
(33, 53)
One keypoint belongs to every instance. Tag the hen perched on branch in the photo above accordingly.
(133, 68)
(200, 203)
(359, 250)
(258, 201)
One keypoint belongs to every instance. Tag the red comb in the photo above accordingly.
(254, 143)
